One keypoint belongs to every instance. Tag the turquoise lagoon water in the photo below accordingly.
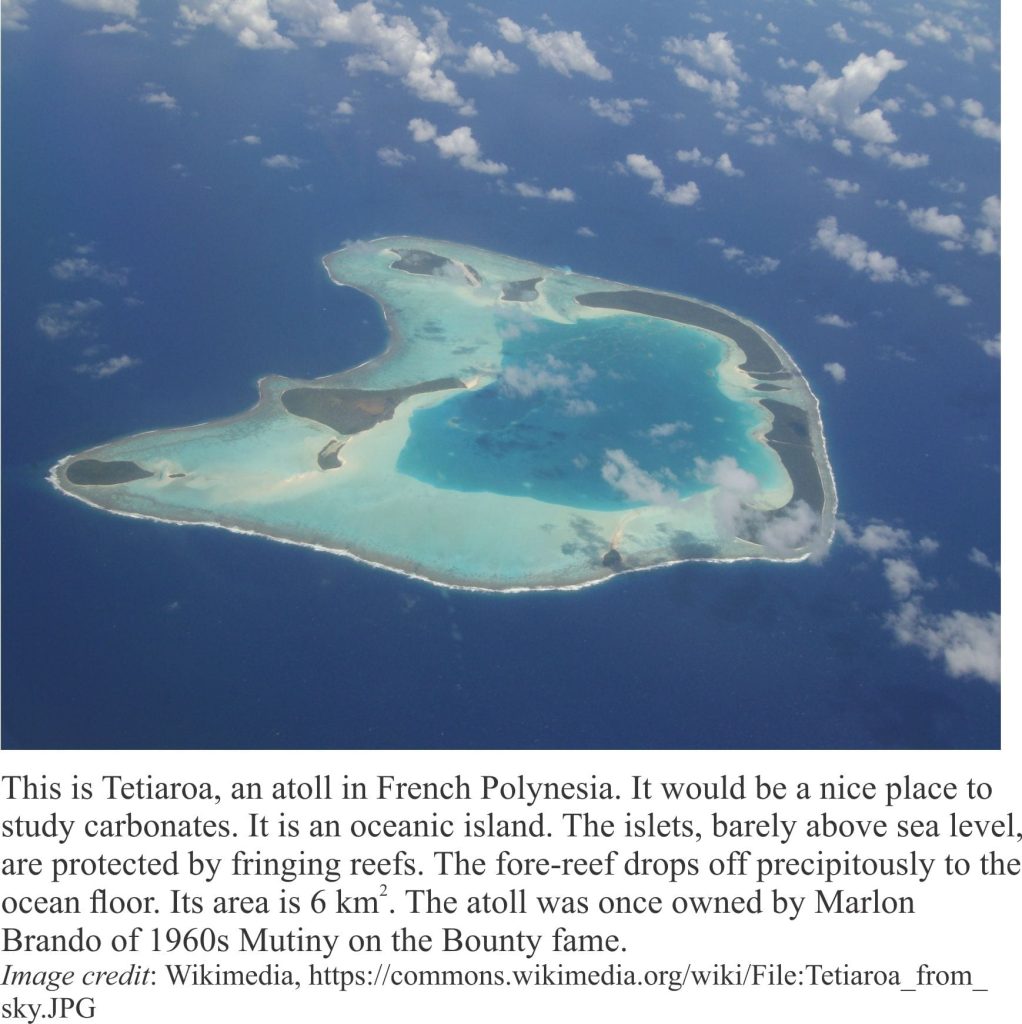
(655, 396)
(503, 483)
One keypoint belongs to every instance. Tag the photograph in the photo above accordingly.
(589, 376)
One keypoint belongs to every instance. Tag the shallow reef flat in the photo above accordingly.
(525, 428)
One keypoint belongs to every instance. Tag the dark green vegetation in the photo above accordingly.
(351, 410)
(759, 356)
(521, 291)
(789, 437)
(95, 471)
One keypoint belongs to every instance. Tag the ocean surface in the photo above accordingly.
(123, 633)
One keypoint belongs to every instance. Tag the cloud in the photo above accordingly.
(459, 145)
(344, 108)
(565, 52)
(906, 161)
(933, 222)
(66, 319)
(538, 378)
(903, 577)
(584, 232)
(157, 97)
(733, 487)
(715, 55)
(386, 44)
(843, 146)
(982, 559)
(117, 28)
(754, 265)
(248, 22)
(991, 346)
(875, 538)
(725, 166)
(837, 371)
(968, 644)
(851, 249)
(784, 532)
(953, 294)
(680, 195)
(662, 431)
(481, 60)
(880, 27)
(282, 162)
(979, 124)
(927, 30)
(634, 483)
(789, 531)
(251, 140)
(555, 195)
(841, 187)
(693, 156)
(81, 268)
(986, 239)
(927, 109)
(839, 32)
(120, 8)
(833, 320)
(107, 367)
(620, 112)
(721, 93)
(837, 102)
(580, 407)
(391, 156)
(14, 15)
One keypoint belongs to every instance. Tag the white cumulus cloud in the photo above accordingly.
(720, 71)
(282, 162)
(555, 195)
(838, 102)
(967, 644)
(14, 15)
(66, 319)
(620, 112)
(481, 60)
(157, 97)
(841, 187)
(680, 195)
(854, 251)
(459, 145)
(833, 320)
(952, 294)
(978, 123)
(120, 8)
(81, 268)
(248, 22)
(933, 222)
(725, 166)
(626, 477)
(986, 239)
(391, 156)
(107, 367)
(567, 53)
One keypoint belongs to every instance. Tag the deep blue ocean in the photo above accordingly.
(122, 633)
